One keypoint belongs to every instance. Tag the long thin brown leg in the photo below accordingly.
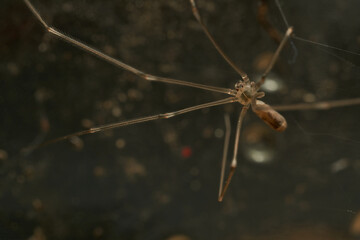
(120, 64)
(275, 57)
(270, 29)
(133, 121)
(225, 151)
(208, 34)
(236, 147)
(264, 22)
(282, 13)
(325, 105)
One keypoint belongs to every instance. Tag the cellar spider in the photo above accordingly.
(245, 92)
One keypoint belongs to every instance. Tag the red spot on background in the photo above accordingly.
(186, 152)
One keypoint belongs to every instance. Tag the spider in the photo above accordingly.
(245, 92)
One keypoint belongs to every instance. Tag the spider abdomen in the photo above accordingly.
(271, 117)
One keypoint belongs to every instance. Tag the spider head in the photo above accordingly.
(246, 90)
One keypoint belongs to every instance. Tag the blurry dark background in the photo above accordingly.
(159, 180)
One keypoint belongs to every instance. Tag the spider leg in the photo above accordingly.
(225, 151)
(264, 22)
(131, 122)
(274, 57)
(211, 38)
(325, 105)
(236, 147)
(119, 63)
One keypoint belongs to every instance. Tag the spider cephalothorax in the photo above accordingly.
(246, 91)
